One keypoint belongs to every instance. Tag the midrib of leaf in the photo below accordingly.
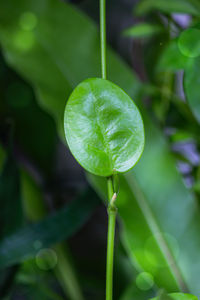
(104, 137)
(156, 230)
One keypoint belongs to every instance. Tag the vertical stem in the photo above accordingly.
(103, 37)
(110, 252)
(112, 212)
(110, 188)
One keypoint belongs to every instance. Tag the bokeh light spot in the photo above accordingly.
(189, 42)
(144, 281)
(24, 40)
(28, 21)
(151, 258)
(46, 259)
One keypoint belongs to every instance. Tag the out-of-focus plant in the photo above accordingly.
(54, 46)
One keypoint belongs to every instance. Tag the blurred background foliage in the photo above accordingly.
(52, 220)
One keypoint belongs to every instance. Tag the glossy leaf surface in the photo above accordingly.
(103, 127)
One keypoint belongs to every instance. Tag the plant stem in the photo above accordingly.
(112, 212)
(110, 188)
(103, 37)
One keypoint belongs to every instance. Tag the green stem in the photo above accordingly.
(110, 188)
(112, 212)
(103, 37)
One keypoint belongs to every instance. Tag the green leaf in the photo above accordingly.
(188, 42)
(35, 210)
(28, 119)
(176, 296)
(103, 127)
(171, 6)
(171, 59)
(33, 283)
(192, 87)
(133, 292)
(143, 30)
(26, 242)
(183, 53)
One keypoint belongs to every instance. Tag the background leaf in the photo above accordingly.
(177, 296)
(35, 210)
(171, 6)
(191, 85)
(33, 202)
(172, 59)
(61, 225)
(142, 30)
(54, 87)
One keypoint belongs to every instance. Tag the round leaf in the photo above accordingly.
(103, 127)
